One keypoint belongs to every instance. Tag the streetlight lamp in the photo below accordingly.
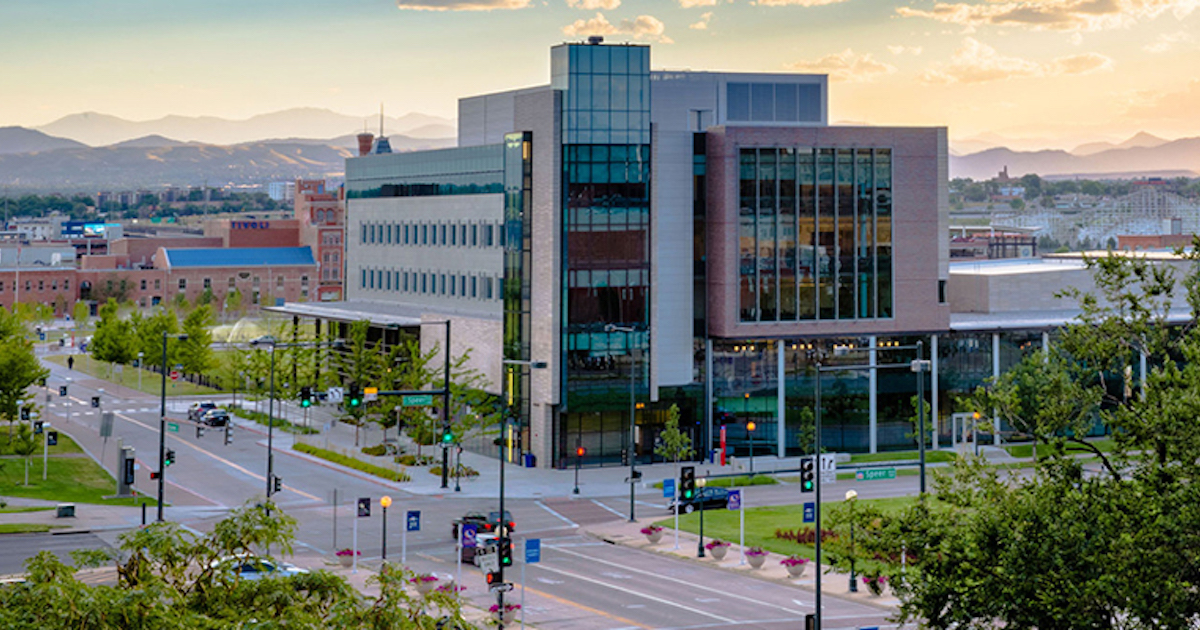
(162, 421)
(503, 525)
(750, 426)
(579, 451)
(141, 362)
(268, 340)
(851, 498)
(632, 415)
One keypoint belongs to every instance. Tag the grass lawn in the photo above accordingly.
(28, 528)
(70, 480)
(931, 456)
(1026, 450)
(762, 522)
(151, 382)
(65, 445)
(25, 508)
(735, 482)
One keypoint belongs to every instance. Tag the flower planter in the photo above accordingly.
(507, 617)
(718, 552)
(795, 570)
(654, 537)
(426, 587)
(345, 561)
(756, 561)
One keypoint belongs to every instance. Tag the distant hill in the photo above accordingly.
(1141, 139)
(147, 142)
(22, 140)
(1175, 156)
(95, 129)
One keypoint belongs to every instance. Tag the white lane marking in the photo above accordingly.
(616, 576)
(689, 584)
(556, 514)
(622, 515)
(550, 581)
(635, 593)
(802, 604)
(708, 600)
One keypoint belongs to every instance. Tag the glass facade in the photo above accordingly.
(459, 171)
(814, 234)
(773, 102)
(606, 245)
(518, 231)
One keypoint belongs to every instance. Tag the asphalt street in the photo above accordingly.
(581, 583)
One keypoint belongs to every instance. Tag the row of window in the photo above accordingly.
(232, 283)
(41, 285)
(472, 286)
(435, 234)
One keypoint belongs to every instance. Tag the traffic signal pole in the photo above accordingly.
(817, 490)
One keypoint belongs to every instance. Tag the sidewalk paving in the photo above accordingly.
(833, 582)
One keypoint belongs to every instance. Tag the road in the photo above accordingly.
(580, 583)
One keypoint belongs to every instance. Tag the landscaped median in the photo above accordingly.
(71, 476)
(351, 462)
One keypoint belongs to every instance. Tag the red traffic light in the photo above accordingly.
(581, 451)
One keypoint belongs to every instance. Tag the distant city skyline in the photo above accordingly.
(1064, 70)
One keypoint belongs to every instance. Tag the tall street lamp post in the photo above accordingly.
(701, 483)
(632, 414)
(851, 498)
(162, 422)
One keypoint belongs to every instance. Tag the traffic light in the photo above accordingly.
(447, 436)
(354, 396)
(37, 427)
(153, 475)
(580, 451)
(505, 552)
(305, 396)
(62, 390)
(170, 458)
(687, 482)
(808, 474)
(25, 414)
(52, 438)
(95, 402)
(493, 577)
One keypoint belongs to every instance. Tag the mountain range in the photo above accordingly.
(1141, 156)
(94, 129)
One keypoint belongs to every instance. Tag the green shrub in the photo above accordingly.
(377, 450)
(262, 418)
(413, 460)
(350, 462)
(463, 471)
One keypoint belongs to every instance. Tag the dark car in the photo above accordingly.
(713, 498)
(197, 410)
(484, 524)
(215, 417)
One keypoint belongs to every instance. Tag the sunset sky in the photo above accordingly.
(1063, 70)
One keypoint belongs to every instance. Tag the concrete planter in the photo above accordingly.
(426, 587)
(346, 561)
(718, 552)
(796, 570)
(654, 537)
(756, 561)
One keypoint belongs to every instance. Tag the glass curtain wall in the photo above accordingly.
(606, 248)
(814, 234)
(518, 191)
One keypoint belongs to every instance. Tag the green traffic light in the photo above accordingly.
(447, 438)
(305, 403)
(354, 402)
(687, 494)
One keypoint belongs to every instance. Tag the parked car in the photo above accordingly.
(197, 410)
(215, 418)
(256, 568)
(713, 498)
(488, 523)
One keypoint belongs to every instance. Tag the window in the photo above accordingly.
(474, 286)
(143, 284)
(474, 236)
(1, 286)
(254, 282)
(278, 282)
(66, 285)
(304, 281)
(54, 285)
(487, 288)
(362, 283)
(29, 285)
(183, 284)
(157, 284)
(42, 285)
(208, 284)
(232, 283)
(363, 237)
(443, 231)
(442, 282)
(487, 235)
(453, 235)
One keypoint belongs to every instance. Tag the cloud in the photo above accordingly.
(691, 4)
(592, 5)
(645, 27)
(900, 50)
(703, 23)
(1165, 41)
(845, 66)
(1161, 106)
(976, 62)
(1052, 15)
(795, 3)
(461, 5)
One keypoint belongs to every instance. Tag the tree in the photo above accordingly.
(195, 352)
(806, 435)
(149, 333)
(80, 314)
(24, 444)
(359, 365)
(233, 302)
(113, 341)
(674, 445)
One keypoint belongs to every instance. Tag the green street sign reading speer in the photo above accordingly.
(875, 473)
(172, 427)
(420, 400)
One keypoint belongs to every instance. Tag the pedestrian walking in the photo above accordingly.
(70, 363)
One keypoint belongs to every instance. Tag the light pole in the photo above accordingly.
(162, 421)
(750, 426)
(851, 498)
(632, 414)
(141, 362)
(578, 456)
(268, 340)
(500, 441)
(700, 483)
(385, 503)
(818, 357)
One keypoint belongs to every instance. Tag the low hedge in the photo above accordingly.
(350, 462)
(463, 471)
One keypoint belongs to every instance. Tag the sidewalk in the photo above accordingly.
(833, 582)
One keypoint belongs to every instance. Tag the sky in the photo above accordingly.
(1060, 70)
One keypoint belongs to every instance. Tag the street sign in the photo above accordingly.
(106, 424)
(174, 375)
(62, 390)
(364, 507)
(735, 500)
(52, 438)
(172, 427)
(412, 521)
(418, 400)
(502, 587)
(828, 468)
(489, 562)
(875, 473)
(668, 488)
(334, 394)
(468, 535)
(810, 512)
(370, 393)
(533, 550)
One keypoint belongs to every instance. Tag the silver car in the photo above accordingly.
(256, 568)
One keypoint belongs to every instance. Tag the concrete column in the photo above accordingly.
(872, 397)
(780, 401)
(996, 374)
(933, 386)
